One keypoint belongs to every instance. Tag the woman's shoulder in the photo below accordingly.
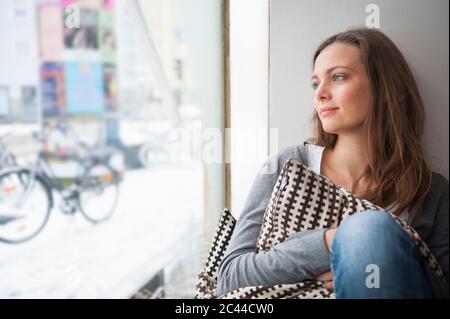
(299, 151)
(296, 152)
(439, 187)
(439, 181)
(292, 151)
(304, 152)
(275, 162)
(435, 206)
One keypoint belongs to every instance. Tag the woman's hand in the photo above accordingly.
(327, 278)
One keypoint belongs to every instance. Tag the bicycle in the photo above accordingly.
(26, 194)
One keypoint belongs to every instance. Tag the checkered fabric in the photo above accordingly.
(207, 278)
(301, 200)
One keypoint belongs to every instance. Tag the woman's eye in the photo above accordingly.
(338, 77)
(314, 85)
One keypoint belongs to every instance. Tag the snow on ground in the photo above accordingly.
(157, 224)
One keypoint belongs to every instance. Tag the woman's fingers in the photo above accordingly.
(329, 285)
(326, 276)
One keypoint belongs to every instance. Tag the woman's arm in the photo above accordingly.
(302, 256)
(436, 213)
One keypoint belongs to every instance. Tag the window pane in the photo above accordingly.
(100, 101)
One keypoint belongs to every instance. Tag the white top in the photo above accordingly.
(314, 156)
(314, 159)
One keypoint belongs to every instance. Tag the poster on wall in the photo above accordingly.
(107, 37)
(53, 89)
(108, 5)
(110, 87)
(51, 33)
(86, 36)
(86, 4)
(84, 87)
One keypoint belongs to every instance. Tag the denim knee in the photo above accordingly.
(374, 240)
(365, 226)
(370, 231)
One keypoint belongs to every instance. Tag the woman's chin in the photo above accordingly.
(330, 129)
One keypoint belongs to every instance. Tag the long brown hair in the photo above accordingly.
(398, 169)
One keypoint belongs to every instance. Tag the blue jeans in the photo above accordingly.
(373, 257)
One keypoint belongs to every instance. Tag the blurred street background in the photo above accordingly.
(112, 83)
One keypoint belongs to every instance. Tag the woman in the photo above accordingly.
(369, 121)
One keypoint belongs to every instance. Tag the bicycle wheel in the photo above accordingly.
(25, 204)
(98, 193)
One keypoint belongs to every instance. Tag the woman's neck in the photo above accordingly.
(348, 157)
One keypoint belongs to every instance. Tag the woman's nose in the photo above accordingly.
(322, 92)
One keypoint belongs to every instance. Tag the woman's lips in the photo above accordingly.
(327, 110)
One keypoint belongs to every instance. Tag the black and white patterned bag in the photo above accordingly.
(301, 200)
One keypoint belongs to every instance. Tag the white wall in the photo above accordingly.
(419, 28)
(19, 63)
(249, 80)
(19, 60)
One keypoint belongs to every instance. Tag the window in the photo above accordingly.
(104, 95)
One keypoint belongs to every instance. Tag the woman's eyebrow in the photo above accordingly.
(331, 69)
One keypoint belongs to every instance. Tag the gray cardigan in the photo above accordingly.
(304, 255)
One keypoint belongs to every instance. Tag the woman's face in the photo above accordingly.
(342, 98)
